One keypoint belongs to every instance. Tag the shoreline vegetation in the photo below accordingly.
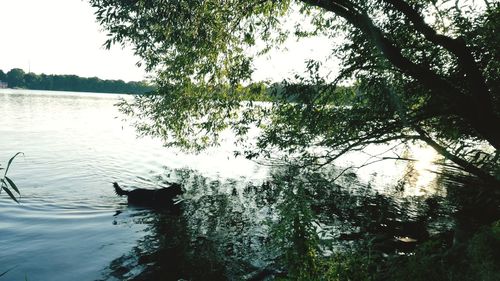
(17, 78)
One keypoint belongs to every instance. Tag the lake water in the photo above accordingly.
(71, 226)
(75, 145)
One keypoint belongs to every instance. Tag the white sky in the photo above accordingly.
(62, 37)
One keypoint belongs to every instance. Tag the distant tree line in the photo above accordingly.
(17, 78)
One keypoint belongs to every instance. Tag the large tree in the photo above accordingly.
(3, 76)
(421, 71)
(15, 78)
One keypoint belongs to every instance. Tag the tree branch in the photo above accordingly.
(470, 168)
(388, 49)
(475, 110)
(456, 46)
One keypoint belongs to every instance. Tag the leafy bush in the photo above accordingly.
(477, 259)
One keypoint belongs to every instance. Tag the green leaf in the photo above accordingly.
(10, 194)
(13, 185)
(5, 272)
(10, 162)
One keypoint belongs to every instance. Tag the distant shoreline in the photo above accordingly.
(17, 79)
(62, 92)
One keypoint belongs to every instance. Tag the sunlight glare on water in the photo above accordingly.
(425, 168)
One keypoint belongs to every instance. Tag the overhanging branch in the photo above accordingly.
(468, 167)
(476, 110)
(456, 46)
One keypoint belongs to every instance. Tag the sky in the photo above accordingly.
(60, 37)
(63, 37)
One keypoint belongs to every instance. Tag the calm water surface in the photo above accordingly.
(71, 226)
(74, 146)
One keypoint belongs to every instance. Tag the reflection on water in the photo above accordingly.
(241, 230)
(221, 234)
(412, 167)
(240, 221)
(425, 167)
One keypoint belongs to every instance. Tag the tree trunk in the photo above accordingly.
(486, 123)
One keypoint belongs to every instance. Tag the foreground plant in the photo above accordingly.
(6, 184)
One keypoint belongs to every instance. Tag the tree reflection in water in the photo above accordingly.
(284, 226)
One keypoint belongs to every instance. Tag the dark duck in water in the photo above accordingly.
(159, 198)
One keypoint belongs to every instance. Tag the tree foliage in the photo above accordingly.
(3, 76)
(420, 71)
(15, 77)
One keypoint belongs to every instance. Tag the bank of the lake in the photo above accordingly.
(16, 78)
